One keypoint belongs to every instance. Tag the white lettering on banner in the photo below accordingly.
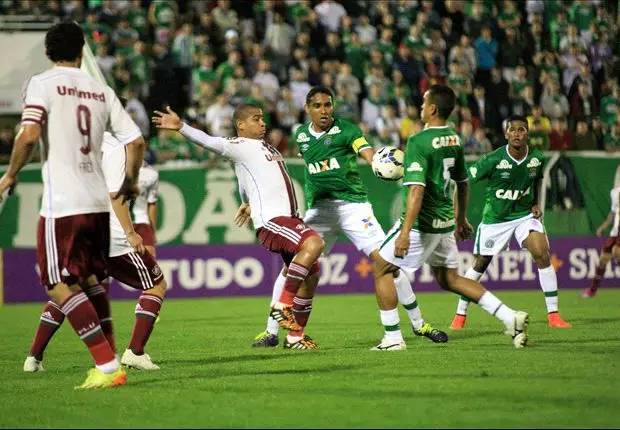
(583, 264)
(29, 195)
(171, 212)
(510, 266)
(213, 273)
(332, 269)
(528, 268)
(578, 265)
(220, 274)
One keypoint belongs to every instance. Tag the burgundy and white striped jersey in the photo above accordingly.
(263, 179)
(74, 110)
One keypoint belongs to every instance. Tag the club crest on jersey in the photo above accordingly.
(504, 164)
(534, 162)
(473, 171)
(327, 142)
(334, 130)
(303, 137)
(323, 166)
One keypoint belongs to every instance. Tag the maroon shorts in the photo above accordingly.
(72, 248)
(139, 271)
(610, 242)
(147, 233)
(284, 235)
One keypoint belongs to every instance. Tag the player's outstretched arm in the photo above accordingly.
(24, 144)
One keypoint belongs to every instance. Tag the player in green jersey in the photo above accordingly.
(514, 173)
(428, 229)
(337, 202)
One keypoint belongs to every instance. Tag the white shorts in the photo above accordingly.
(491, 239)
(356, 220)
(436, 249)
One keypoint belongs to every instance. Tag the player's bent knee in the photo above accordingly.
(160, 289)
(314, 245)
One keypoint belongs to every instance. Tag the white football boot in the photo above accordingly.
(32, 365)
(518, 329)
(140, 362)
(390, 345)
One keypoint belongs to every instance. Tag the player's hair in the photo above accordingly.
(318, 89)
(64, 42)
(242, 112)
(519, 118)
(444, 98)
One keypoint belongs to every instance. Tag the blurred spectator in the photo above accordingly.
(267, 81)
(539, 129)
(554, 104)
(610, 106)
(560, 138)
(218, 117)
(367, 32)
(287, 112)
(163, 16)
(346, 79)
(136, 109)
(611, 139)
(388, 125)
(6, 144)
(345, 104)
(465, 55)
(371, 106)
(486, 55)
(582, 104)
(330, 14)
(279, 42)
(224, 16)
(584, 139)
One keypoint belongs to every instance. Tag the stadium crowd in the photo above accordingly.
(557, 62)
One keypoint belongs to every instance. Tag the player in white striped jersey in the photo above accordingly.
(144, 207)
(265, 184)
(611, 247)
(128, 262)
(70, 110)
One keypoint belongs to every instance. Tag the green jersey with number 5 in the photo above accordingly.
(434, 158)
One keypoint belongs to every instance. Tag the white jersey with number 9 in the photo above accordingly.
(74, 110)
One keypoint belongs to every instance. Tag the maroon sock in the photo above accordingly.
(51, 319)
(301, 310)
(83, 318)
(598, 276)
(295, 275)
(147, 310)
(99, 298)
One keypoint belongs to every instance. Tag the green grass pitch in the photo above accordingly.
(210, 376)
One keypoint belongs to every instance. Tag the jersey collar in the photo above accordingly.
(517, 161)
(318, 135)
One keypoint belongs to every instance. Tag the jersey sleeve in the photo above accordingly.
(153, 192)
(120, 124)
(481, 169)
(459, 173)
(416, 165)
(615, 200)
(220, 145)
(358, 141)
(35, 103)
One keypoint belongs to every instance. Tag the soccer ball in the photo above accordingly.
(387, 163)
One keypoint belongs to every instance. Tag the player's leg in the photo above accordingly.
(308, 253)
(605, 258)
(78, 245)
(141, 272)
(50, 321)
(516, 322)
(537, 244)
(98, 295)
(302, 307)
(387, 301)
(481, 262)
(269, 337)
(359, 224)
(443, 261)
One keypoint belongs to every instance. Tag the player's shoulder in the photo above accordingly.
(536, 153)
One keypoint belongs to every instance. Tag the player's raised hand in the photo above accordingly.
(243, 215)
(135, 240)
(401, 246)
(169, 120)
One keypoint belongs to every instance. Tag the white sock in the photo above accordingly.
(391, 325)
(278, 286)
(109, 367)
(461, 308)
(406, 297)
(495, 307)
(549, 284)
